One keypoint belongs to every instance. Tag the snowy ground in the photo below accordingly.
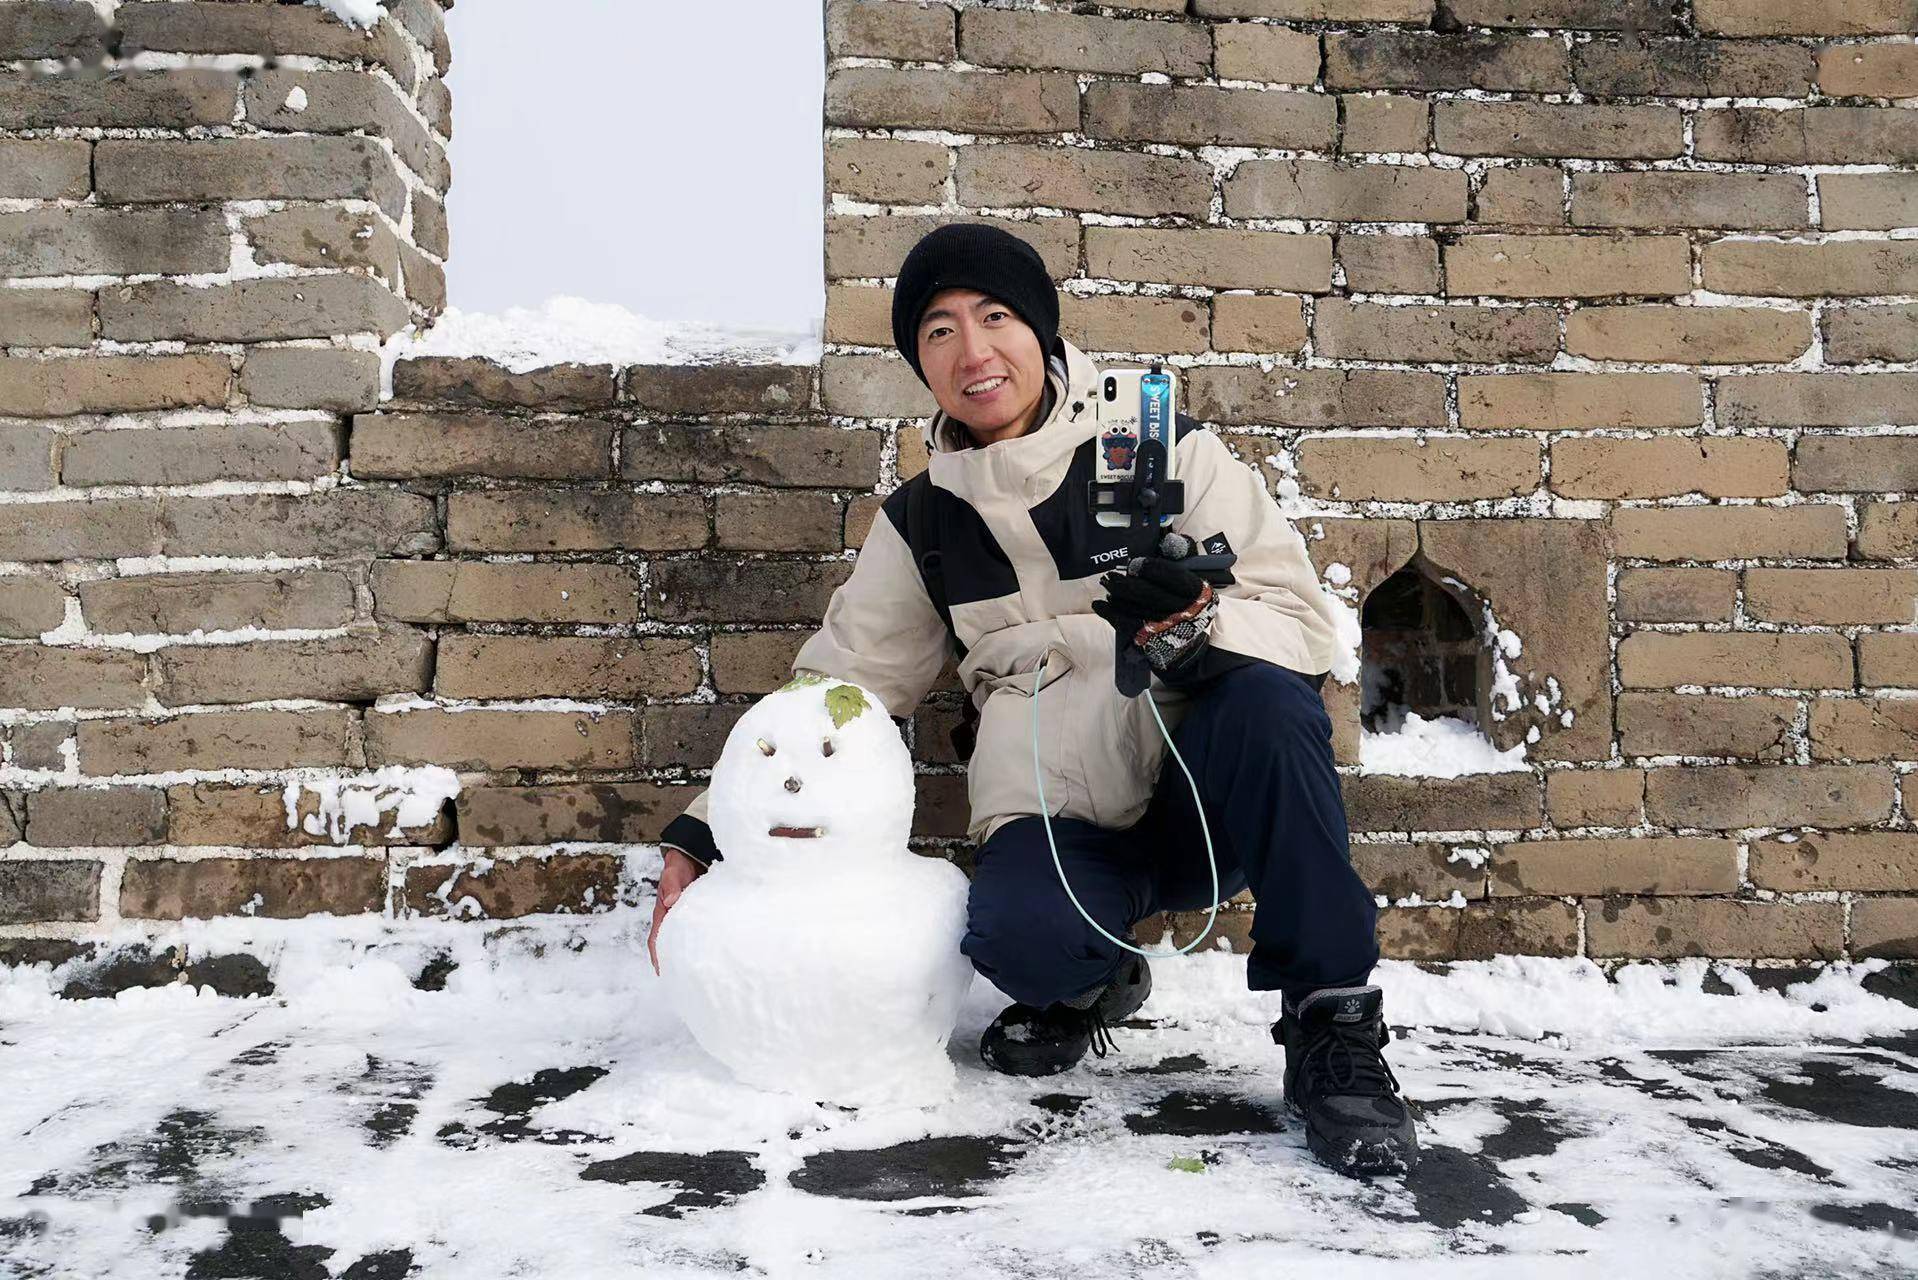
(542, 1116)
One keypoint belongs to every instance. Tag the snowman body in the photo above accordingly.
(820, 956)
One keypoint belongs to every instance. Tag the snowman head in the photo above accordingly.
(815, 776)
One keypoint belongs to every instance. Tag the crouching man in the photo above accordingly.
(993, 554)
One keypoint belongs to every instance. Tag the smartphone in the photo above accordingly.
(1135, 405)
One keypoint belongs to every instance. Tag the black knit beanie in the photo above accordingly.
(973, 255)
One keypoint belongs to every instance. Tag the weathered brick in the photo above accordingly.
(1429, 871)
(628, 668)
(1265, 53)
(1640, 67)
(39, 745)
(754, 661)
(47, 169)
(1807, 17)
(1888, 531)
(1072, 42)
(467, 591)
(1676, 595)
(576, 520)
(1545, 129)
(111, 384)
(1689, 335)
(1341, 192)
(45, 678)
(1766, 660)
(1318, 10)
(1666, 928)
(268, 888)
(1122, 322)
(1595, 797)
(201, 454)
(177, 98)
(875, 386)
(1864, 729)
(1570, 868)
(1726, 797)
(1858, 334)
(455, 381)
(1490, 335)
(749, 591)
(1218, 257)
(1479, 930)
(1436, 469)
(1888, 661)
(1868, 201)
(1531, 195)
(46, 317)
(218, 740)
(1730, 533)
(697, 390)
(1389, 264)
(357, 667)
(1806, 135)
(1886, 927)
(867, 246)
(1685, 199)
(264, 29)
(1580, 401)
(402, 446)
(341, 379)
(488, 739)
(1496, 801)
(621, 812)
(779, 521)
(564, 883)
(101, 529)
(326, 236)
(1888, 70)
(251, 310)
(342, 102)
(859, 314)
(1629, 15)
(1841, 268)
(860, 513)
(1202, 115)
(1148, 186)
(888, 170)
(429, 225)
(145, 170)
(31, 605)
(146, 604)
(52, 29)
(1866, 861)
(38, 890)
(1683, 724)
(1567, 266)
(212, 813)
(1384, 124)
(340, 523)
(1316, 397)
(76, 817)
(889, 29)
(1247, 322)
(687, 733)
(1833, 597)
(26, 456)
(795, 457)
(1419, 60)
(1828, 400)
(965, 101)
(1666, 466)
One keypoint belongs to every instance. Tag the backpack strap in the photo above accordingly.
(923, 543)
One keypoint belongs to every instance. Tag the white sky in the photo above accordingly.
(663, 156)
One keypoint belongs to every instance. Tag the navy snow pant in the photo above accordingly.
(1259, 744)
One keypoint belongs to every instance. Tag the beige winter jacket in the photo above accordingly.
(1022, 558)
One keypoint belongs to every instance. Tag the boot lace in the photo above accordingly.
(1344, 1058)
(1100, 1031)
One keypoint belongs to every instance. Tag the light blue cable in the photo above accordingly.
(1045, 816)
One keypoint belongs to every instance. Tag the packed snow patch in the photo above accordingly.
(412, 794)
(1442, 747)
(354, 13)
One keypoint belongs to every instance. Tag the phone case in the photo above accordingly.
(1135, 405)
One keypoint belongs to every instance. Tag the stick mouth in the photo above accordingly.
(797, 833)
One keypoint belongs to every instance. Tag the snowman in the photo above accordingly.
(820, 956)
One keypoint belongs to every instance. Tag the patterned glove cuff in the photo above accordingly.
(1169, 643)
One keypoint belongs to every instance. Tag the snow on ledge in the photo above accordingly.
(1443, 747)
(354, 13)
(569, 330)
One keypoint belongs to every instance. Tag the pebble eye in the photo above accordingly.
(765, 747)
(825, 748)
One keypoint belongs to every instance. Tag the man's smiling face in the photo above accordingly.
(983, 363)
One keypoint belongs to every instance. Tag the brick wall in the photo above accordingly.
(1603, 311)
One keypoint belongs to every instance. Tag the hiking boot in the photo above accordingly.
(1028, 1041)
(1337, 1079)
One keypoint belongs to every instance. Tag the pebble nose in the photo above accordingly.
(792, 784)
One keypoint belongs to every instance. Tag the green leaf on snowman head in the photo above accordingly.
(802, 680)
(843, 702)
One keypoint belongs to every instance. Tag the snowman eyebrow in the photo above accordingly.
(825, 747)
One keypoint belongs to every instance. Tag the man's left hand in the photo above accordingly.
(1164, 608)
